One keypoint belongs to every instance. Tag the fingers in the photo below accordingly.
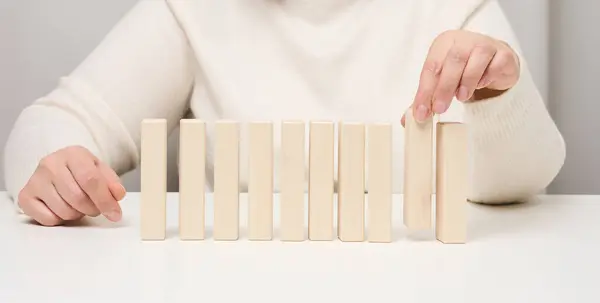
(95, 185)
(42, 187)
(430, 74)
(460, 64)
(502, 72)
(478, 62)
(37, 210)
(69, 184)
(454, 65)
(69, 190)
(114, 182)
(47, 193)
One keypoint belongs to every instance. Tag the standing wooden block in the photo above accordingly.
(451, 182)
(321, 181)
(260, 181)
(418, 173)
(292, 181)
(351, 182)
(192, 152)
(153, 179)
(226, 175)
(380, 182)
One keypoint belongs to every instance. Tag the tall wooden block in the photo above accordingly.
(192, 153)
(379, 182)
(292, 181)
(418, 173)
(226, 181)
(451, 182)
(153, 179)
(351, 182)
(321, 181)
(260, 181)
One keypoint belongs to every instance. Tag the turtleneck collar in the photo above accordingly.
(316, 10)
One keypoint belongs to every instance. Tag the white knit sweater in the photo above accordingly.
(246, 60)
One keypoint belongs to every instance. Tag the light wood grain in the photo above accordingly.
(192, 153)
(153, 179)
(321, 181)
(292, 181)
(260, 181)
(418, 173)
(451, 180)
(351, 182)
(226, 180)
(379, 182)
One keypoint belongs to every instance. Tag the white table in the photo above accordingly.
(544, 251)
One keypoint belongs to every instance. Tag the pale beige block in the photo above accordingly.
(339, 171)
(292, 181)
(321, 181)
(226, 181)
(418, 173)
(153, 179)
(379, 180)
(260, 181)
(351, 182)
(451, 182)
(192, 153)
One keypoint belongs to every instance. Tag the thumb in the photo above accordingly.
(114, 182)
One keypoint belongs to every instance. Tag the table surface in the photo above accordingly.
(545, 250)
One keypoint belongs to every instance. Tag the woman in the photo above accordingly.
(366, 60)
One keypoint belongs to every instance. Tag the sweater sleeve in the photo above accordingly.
(516, 147)
(140, 70)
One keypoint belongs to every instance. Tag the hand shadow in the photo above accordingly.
(484, 221)
(487, 220)
(85, 222)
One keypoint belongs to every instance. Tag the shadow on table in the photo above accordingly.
(172, 232)
(484, 221)
(86, 222)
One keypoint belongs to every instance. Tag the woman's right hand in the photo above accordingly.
(70, 184)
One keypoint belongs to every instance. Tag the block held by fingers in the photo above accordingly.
(418, 173)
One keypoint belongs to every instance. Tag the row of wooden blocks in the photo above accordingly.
(354, 151)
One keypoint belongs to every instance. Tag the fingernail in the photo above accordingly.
(483, 83)
(113, 215)
(123, 192)
(439, 107)
(480, 83)
(463, 93)
(422, 112)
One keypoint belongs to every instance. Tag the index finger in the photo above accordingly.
(93, 182)
(114, 182)
(430, 74)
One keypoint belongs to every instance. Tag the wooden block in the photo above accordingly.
(260, 181)
(351, 182)
(451, 182)
(292, 181)
(226, 181)
(153, 179)
(192, 153)
(339, 171)
(380, 182)
(321, 181)
(418, 173)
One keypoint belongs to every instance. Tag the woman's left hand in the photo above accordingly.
(467, 65)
